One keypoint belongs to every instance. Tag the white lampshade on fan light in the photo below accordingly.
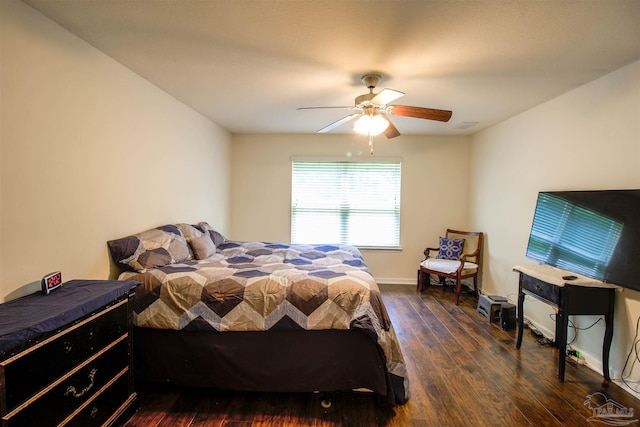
(371, 125)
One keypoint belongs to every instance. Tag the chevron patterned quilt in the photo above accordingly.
(256, 286)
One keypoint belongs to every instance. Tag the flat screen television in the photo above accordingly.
(593, 233)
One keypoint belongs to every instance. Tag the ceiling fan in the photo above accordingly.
(372, 109)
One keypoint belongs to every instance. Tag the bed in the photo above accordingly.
(257, 316)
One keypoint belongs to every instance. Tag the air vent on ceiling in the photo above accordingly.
(465, 125)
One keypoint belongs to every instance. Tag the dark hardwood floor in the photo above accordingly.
(463, 370)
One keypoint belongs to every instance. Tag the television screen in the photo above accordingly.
(593, 233)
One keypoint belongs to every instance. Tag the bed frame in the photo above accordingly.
(263, 361)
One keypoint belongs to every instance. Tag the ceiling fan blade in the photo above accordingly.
(420, 112)
(386, 96)
(318, 108)
(391, 131)
(338, 122)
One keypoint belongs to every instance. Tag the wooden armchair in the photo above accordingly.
(452, 262)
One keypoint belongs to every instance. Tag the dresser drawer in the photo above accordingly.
(26, 373)
(544, 291)
(53, 405)
(106, 405)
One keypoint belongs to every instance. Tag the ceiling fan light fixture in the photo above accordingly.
(371, 125)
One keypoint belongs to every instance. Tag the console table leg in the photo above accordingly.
(562, 323)
(608, 337)
(520, 317)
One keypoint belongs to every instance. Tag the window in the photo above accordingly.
(349, 202)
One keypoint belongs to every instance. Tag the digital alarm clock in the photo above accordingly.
(51, 282)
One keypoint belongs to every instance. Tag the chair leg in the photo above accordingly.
(475, 285)
(419, 286)
(458, 285)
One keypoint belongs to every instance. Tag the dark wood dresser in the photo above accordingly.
(66, 357)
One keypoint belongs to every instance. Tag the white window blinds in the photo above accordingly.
(356, 203)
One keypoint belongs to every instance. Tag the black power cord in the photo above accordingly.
(633, 348)
(575, 328)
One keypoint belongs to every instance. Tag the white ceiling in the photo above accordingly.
(248, 64)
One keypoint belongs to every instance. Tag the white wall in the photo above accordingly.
(433, 197)
(587, 139)
(90, 151)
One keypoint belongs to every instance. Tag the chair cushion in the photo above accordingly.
(448, 266)
(450, 248)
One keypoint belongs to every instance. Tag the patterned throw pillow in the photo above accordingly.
(450, 248)
(217, 238)
(200, 242)
(152, 248)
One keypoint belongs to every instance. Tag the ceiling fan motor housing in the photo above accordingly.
(365, 99)
(371, 80)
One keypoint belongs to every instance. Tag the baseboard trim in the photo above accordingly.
(396, 281)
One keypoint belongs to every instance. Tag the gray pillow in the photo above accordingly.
(152, 248)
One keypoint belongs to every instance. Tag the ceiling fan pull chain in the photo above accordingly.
(370, 143)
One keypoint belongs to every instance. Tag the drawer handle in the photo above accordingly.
(94, 412)
(68, 346)
(538, 287)
(71, 390)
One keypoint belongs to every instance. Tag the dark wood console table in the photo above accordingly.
(582, 296)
